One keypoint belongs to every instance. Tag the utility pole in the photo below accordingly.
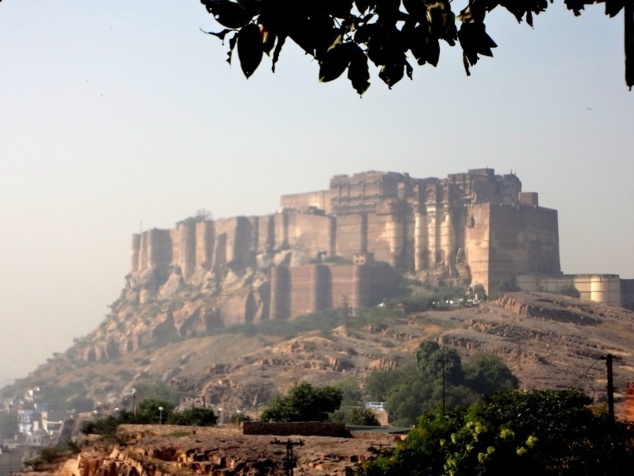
(290, 461)
(608, 362)
(443, 384)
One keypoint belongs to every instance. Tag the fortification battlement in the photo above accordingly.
(367, 192)
(415, 225)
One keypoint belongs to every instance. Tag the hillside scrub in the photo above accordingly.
(539, 432)
(437, 377)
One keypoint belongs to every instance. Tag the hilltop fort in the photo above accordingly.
(350, 241)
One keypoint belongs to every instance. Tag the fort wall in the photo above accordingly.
(477, 243)
(305, 201)
(422, 226)
(627, 293)
(309, 234)
(307, 289)
(604, 288)
(414, 225)
(411, 224)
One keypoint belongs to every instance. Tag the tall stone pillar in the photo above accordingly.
(134, 255)
(332, 232)
(204, 243)
(280, 292)
(320, 288)
(433, 237)
(187, 247)
(421, 242)
(359, 298)
(396, 239)
(143, 251)
(447, 238)
(153, 248)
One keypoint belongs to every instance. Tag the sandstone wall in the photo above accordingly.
(301, 201)
(424, 225)
(351, 235)
(503, 241)
(604, 288)
(478, 243)
(627, 293)
(306, 289)
(344, 287)
(309, 234)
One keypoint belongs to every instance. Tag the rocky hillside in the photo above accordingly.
(549, 341)
(220, 451)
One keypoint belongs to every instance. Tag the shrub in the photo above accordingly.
(569, 290)
(304, 403)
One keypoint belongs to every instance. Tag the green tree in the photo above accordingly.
(487, 373)
(239, 417)
(156, 389)
(380, 383)
(151, 411)
(193, 417)
(304, 403)
(542, 432)
(419, 386)
(355, 416)
(436, 362)
(569, 290)
(342, 35)
(351, 392)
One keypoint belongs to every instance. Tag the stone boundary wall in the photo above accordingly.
(303, 428)
(604, 288)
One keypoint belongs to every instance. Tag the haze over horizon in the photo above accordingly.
(122, 115)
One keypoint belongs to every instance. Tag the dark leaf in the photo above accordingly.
(416, 8)
(474, 40)
(250, 6)
(314, 35)
(268, 39)
(220, 34)
(474, 12)
(363, 5)
(613, 7)
(232, 45)
(335, 8)
(227, 13)
(409, 70)
(388, 11)
(335, 62)
(250, 48)
(432, 51)
(392, 73)
(440, 17)
(365, 32)
(576, 5)
(423, 46)
(278, 49)
(358, 72)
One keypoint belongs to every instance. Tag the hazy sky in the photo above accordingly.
(116, 113)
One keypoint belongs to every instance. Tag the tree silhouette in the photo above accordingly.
(344, 34)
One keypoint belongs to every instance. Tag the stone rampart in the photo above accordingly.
(604, 288)
(478, 219)
(306, 201)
